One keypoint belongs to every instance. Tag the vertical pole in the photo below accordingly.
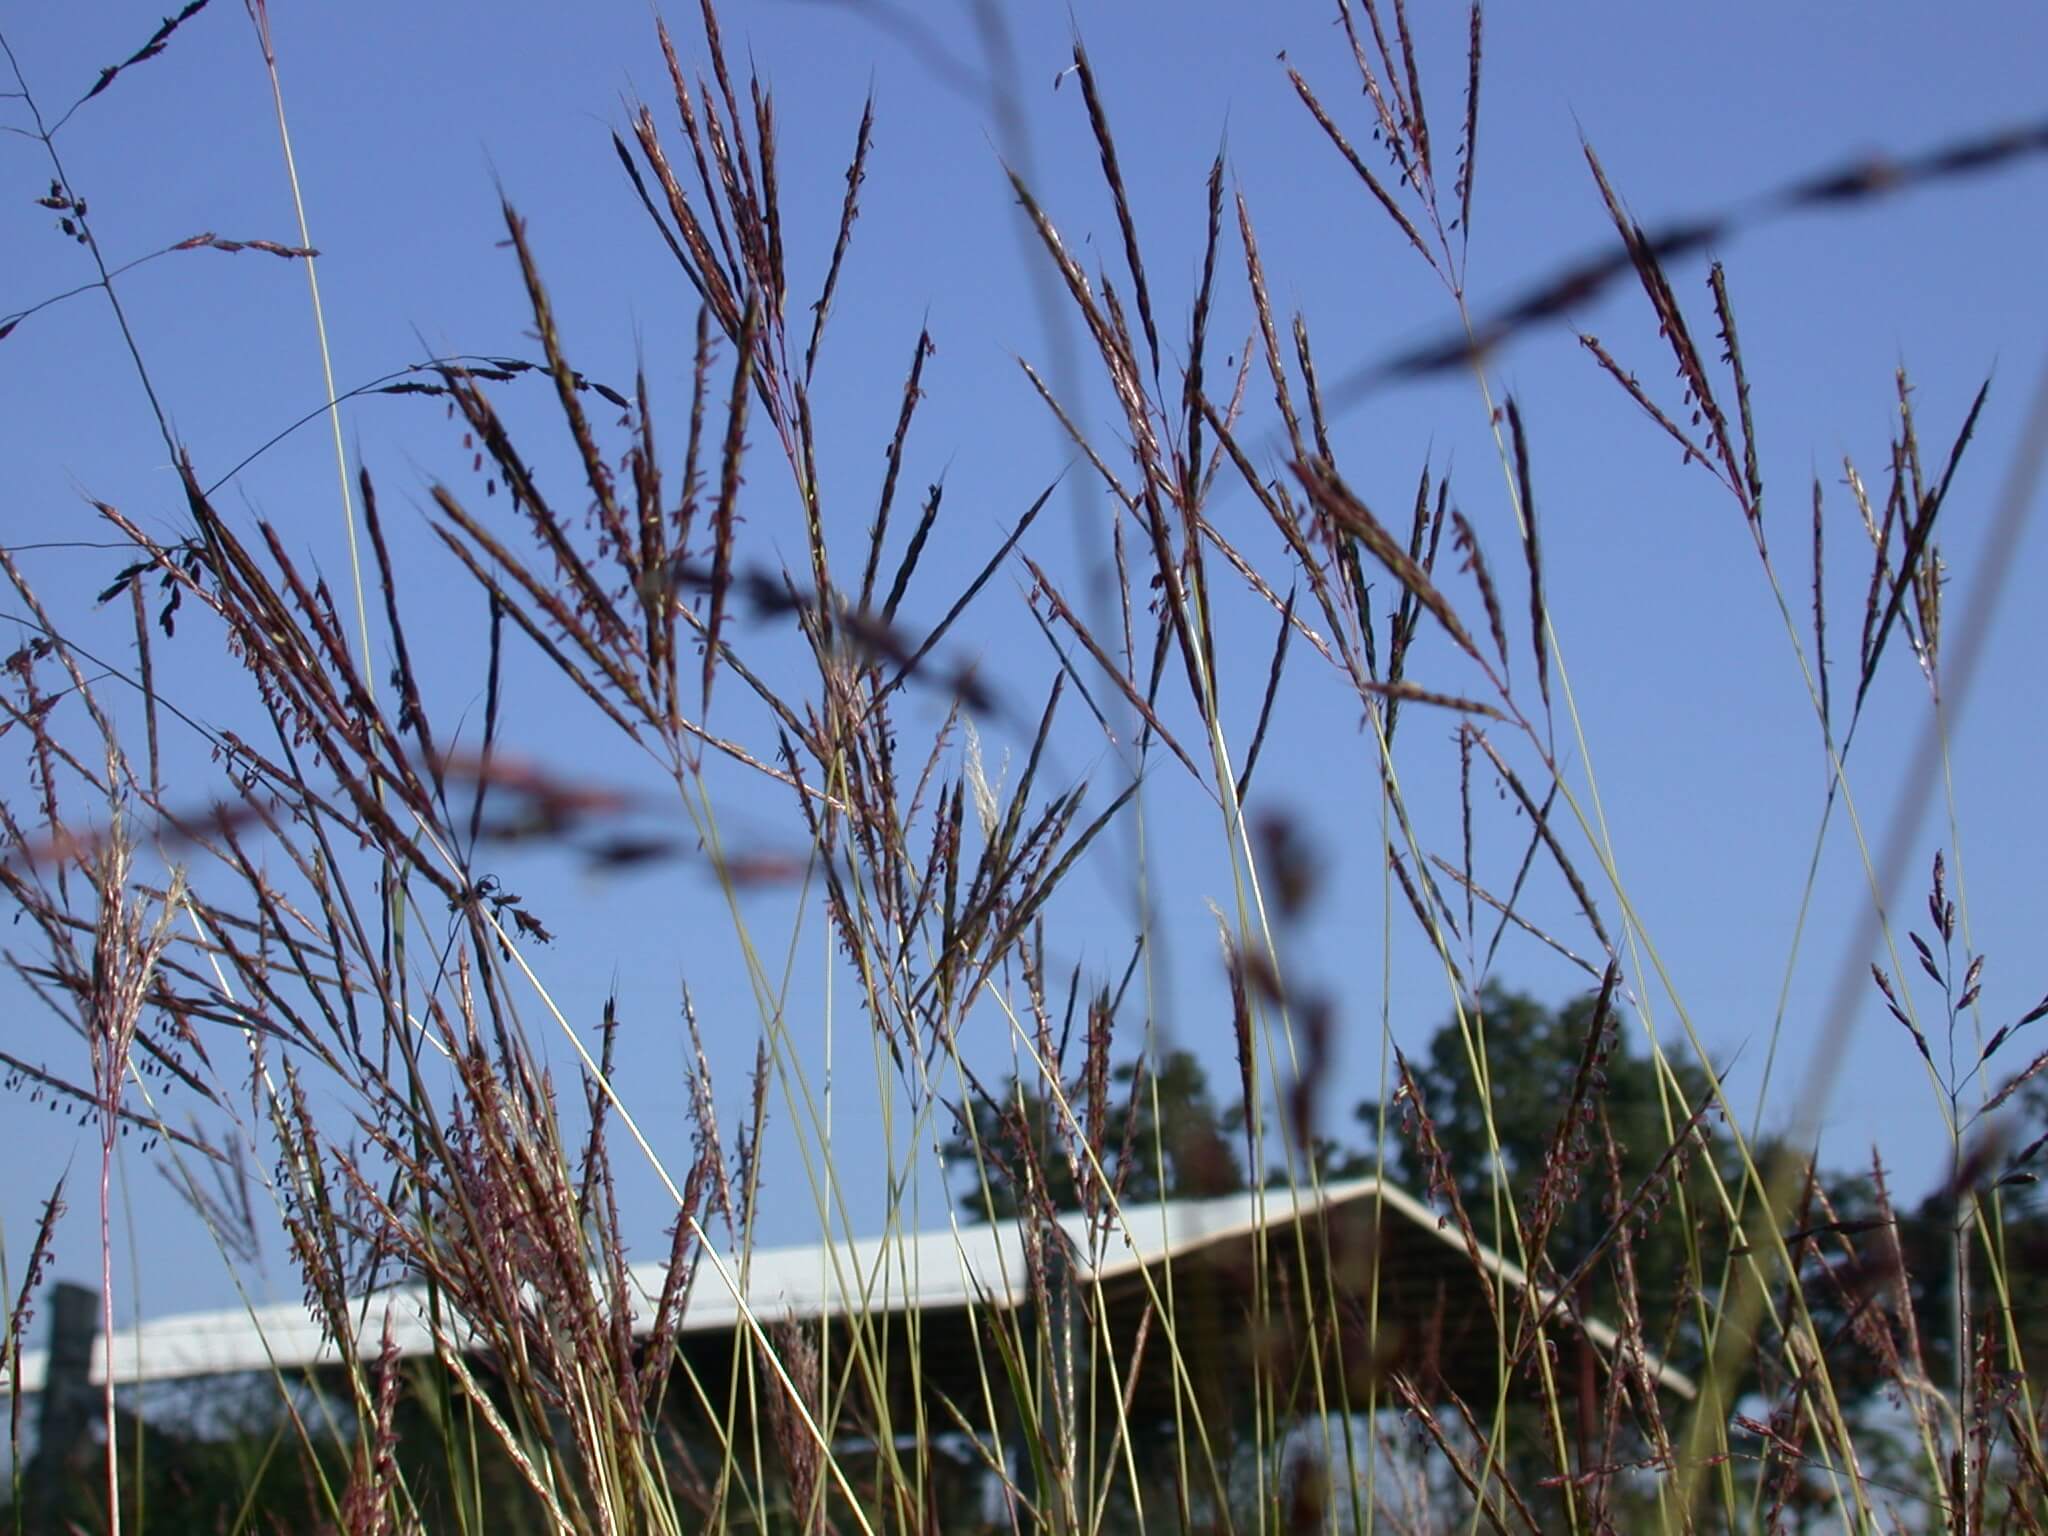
(68, 1406)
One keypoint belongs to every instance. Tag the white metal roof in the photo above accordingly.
(956, 1266)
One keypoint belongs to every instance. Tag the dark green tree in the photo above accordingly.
(1603, 1156)
(1577, 1156)
(1152, 1133)
(1584, 1137)
(1574, 1118)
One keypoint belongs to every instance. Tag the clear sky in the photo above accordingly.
(408, 119)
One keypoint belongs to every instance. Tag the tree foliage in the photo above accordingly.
(1583, 1159)
(1151, 1133)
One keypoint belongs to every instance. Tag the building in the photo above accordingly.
(1262, 1301)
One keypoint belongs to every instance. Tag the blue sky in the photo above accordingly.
(408, 120)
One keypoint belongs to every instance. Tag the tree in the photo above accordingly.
(1024, 1141)
(1576, 1119)
(1577, 1124)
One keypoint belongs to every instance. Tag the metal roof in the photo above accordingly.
(951, 1268)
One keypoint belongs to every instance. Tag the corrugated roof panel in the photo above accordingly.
(949, 1268)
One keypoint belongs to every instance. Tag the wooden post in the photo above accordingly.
(68, 1402)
